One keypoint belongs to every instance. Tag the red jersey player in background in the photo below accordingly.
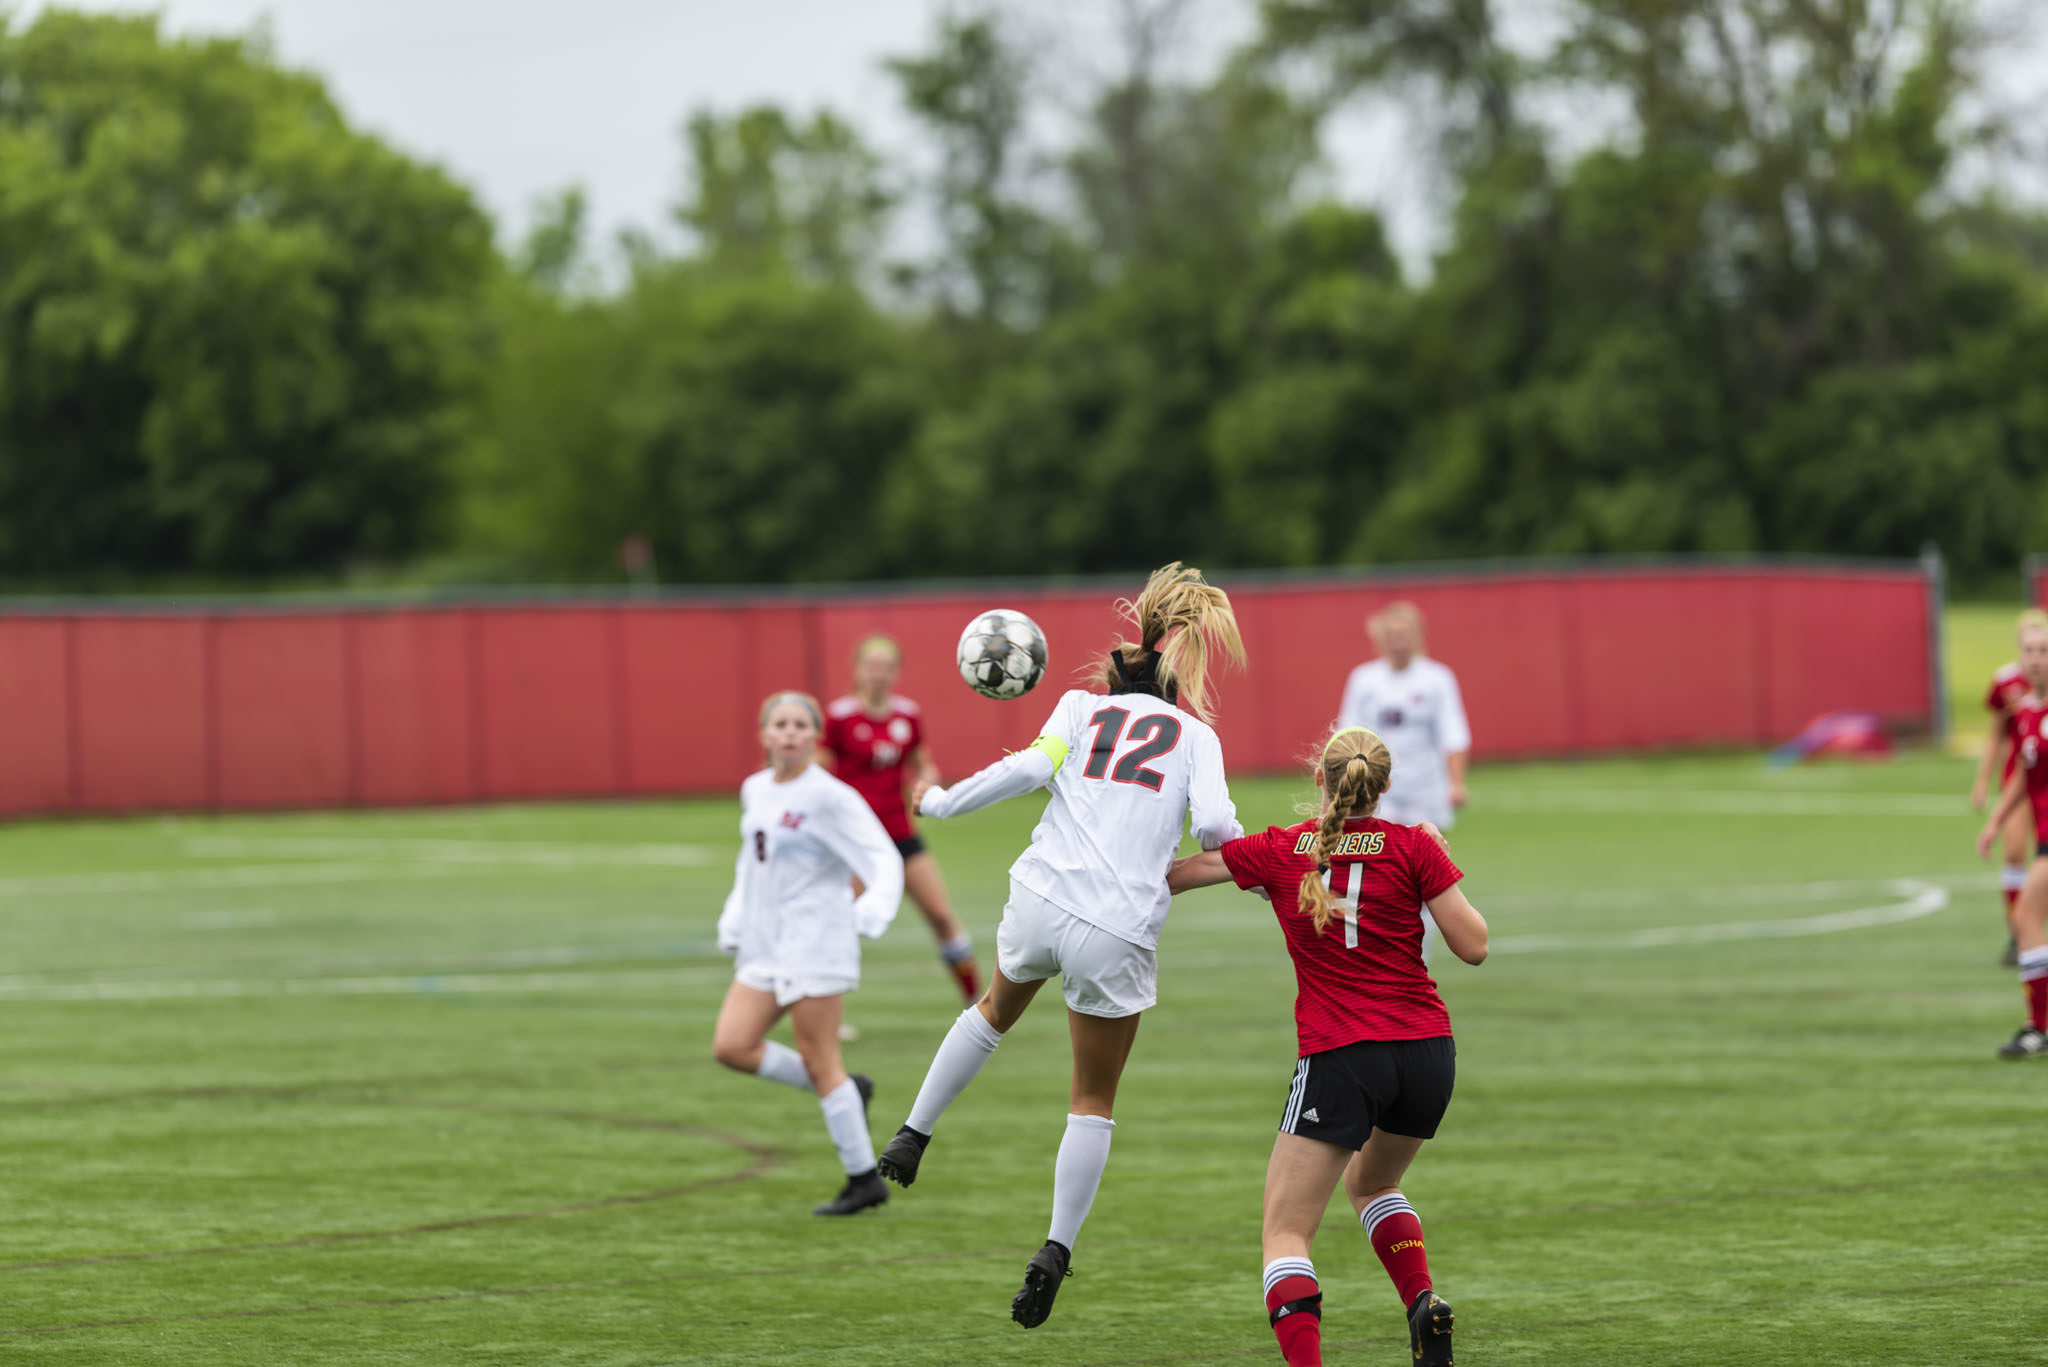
(2011, 686)
(2028, 786)
(876, 740)
(1377, 1063)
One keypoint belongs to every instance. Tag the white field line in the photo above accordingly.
(455, 964)
(1726, 802)
(520, 853)
(386, 985)
(1912, 899)
(231, 876)
(407, 860)
(228, 919)
(1693, 894)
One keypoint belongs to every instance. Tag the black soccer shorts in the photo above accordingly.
(1342, 1095)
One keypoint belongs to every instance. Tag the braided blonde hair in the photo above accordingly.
(1183, 617)
(1356, 767)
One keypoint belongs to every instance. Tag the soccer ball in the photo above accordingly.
(1002, 654)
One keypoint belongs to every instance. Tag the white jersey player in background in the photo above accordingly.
(1088, 896)
(1413, 703)
(793, 925)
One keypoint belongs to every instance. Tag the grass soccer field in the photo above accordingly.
(436, 1087)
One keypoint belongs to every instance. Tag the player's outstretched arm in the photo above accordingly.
(1011, 776)
(1197, 871)
(1463, 928)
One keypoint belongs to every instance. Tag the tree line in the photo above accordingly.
(1770, 299)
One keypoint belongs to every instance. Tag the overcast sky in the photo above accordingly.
(519, 98)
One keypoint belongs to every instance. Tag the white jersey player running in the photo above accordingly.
(793, 925)
(1088, 896)
(1413, 703)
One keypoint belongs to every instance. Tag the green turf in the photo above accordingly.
(436, 1087)
(1979, 640)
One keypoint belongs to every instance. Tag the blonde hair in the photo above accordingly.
(1402, 610)
(2031, 618)
(878, 638)
(1181, 617)
(804, 700)
(1356, 767)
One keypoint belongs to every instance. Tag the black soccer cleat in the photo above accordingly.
(1042, 1278)
(2028, 1043)
(900, 1156)
(1429, 1330)
(861, 1192)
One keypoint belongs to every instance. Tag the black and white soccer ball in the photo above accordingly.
(1002, 654)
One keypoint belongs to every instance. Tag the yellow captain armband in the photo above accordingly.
(1053, 748)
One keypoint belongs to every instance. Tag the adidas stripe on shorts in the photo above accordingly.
(1341, 1096)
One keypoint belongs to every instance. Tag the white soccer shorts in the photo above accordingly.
(1102, 974)
(790, 987)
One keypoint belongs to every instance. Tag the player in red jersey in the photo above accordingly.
(875, 737)
(1377, 1062)
(2029, 785)
(2010, 687)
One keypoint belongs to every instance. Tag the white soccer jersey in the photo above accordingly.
(792, 912)
(1136, 767)
(1420, 715)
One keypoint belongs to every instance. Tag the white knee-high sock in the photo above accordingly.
(966, 1047)
(780, 1063)
(1084, 1153)
(846, 1121)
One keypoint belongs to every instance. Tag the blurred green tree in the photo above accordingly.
(235, 335)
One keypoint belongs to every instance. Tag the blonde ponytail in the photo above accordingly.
(1182, 619)
(1356, 767)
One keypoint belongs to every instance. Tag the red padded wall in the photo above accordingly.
(549, 704)
(37, 728)
(280, 703)
(413, 705)
(398, 706)
(140, 691)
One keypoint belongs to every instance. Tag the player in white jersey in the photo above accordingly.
(793, 925)
(1413, 703)
(1088, 896)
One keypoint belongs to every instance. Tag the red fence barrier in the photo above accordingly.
(259, 706)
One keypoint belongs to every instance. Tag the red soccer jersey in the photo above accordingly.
(871, 752)
(2031, 722)
(1363, 978)
(2008, 689)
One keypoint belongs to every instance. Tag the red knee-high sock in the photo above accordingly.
(2034, 981)
(1396, 1234)
(2012, 902)
(1294, 1307)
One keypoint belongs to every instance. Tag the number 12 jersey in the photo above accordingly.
(1136, 766)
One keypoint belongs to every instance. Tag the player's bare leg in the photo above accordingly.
(2030, 933)
(740, 1038)
(2016, 844)
(1102, 1045)
(1299, 1179)
(927, 889)
(967, 1046)
(844, 1101)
